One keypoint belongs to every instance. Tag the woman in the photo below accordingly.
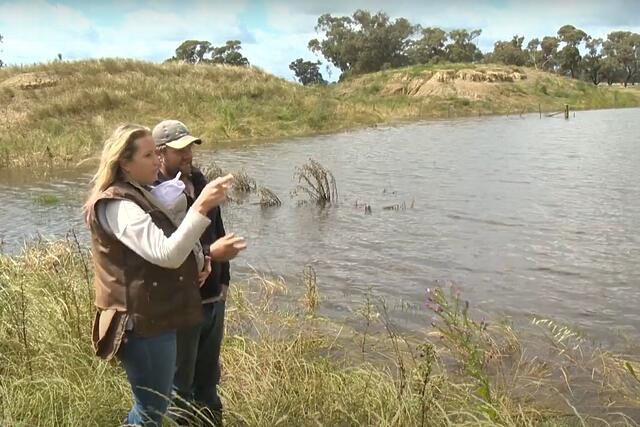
(147, 269)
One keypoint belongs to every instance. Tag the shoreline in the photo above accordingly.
(234, 143)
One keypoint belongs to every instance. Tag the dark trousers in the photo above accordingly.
(198, 361)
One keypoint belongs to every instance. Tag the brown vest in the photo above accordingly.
(157, 299)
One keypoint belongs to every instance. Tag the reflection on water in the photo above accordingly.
(528, 216)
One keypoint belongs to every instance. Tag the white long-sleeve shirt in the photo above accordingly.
(132, 226)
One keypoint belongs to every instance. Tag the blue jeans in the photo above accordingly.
(198, 360)
(150, 365)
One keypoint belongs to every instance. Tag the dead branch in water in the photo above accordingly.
(212, 171)
(268, 198)
(317, 182)
(243, 183)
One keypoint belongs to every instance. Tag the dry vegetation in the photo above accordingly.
(284, 365)
(61, 112)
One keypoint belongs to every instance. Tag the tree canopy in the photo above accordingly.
(569, 56)
(511, 52)
(430, 48)
(229, 54)
(623, 47)
(197, 51)
(363, 43)
(366, 42)
(307, 72)
(462, 47)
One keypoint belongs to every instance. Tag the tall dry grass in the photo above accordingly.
(282, 367)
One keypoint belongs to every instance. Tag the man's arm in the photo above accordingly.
(225, 275)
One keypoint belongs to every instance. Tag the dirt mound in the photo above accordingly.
(466, 83)
(27, 81)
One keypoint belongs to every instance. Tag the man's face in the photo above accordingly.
(177, 160)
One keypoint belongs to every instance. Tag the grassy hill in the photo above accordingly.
(60, 113)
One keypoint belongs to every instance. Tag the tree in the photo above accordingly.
(462, 48)
(592, 61)
(534, 54)
(197, 51)
(510, 52)
(623, 47)
(339, 43)
(549, 49)
(363, 43)
(307, 72)
(192, 51)
(430, 47)
(610, 70)
(571, 35)
(229, 54)
(569, 56)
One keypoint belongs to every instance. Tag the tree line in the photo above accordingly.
(614, 59)
(365, 42)
(202, 51)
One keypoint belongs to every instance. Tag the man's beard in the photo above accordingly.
(171, 172)
(185, 169)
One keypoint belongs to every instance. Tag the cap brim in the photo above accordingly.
(183, 142)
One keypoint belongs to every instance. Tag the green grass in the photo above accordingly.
(288, 366)
(60, 113)
(46, 199)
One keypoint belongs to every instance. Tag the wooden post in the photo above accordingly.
(540, 110)
(566, 111)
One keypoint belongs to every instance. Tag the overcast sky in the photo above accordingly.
(273, 33)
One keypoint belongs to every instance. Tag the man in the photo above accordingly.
(198, 348)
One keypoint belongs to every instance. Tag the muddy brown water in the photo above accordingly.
(528, 217)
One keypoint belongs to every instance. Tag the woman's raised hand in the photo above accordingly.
(213, 194)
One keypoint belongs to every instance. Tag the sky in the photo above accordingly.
(273, 33)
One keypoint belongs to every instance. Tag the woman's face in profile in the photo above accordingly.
(144, 165)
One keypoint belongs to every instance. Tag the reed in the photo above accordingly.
(316, 182)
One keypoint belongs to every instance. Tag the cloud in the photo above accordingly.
(41, 12)
(275, 51)
(457, 12)
(498, 19)
(39, 30)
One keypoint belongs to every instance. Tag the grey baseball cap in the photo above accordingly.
(174, 134)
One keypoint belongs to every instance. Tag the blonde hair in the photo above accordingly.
(119, 146)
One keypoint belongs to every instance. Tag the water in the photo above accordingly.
(529, 217)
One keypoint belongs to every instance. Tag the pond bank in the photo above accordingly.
(59, 113)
